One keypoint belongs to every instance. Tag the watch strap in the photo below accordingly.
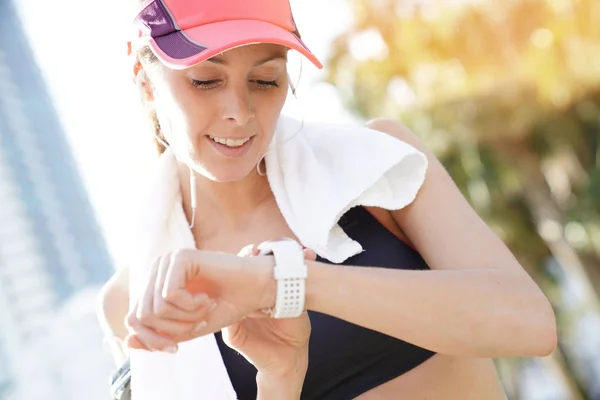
(290, 272)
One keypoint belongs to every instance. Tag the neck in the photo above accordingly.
(226, 205)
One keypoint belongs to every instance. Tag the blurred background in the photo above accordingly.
(506, 93)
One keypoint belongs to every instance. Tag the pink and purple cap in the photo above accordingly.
(182, 33)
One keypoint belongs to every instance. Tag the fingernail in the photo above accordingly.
(200, 327)
(170, 349)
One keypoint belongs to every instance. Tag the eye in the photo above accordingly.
(206, 84)
(265, 84)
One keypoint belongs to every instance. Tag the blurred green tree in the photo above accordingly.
(507, 94)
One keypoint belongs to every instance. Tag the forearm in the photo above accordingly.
(472, 312)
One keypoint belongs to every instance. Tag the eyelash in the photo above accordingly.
(264, 85)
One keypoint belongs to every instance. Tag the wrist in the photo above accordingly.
(315, 273)
(289, 273)
(267, 282)
(314, 276)
(283, 384)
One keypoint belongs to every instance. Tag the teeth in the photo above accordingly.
(230, 142)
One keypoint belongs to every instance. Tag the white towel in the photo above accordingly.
(317, 172)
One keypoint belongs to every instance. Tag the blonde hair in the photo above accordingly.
(145, 56)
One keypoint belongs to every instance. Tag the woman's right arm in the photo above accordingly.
(112, 308)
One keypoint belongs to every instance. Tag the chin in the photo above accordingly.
(226, 174)
(220, 167)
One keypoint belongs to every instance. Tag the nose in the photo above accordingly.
(237, 105)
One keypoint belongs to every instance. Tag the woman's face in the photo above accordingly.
(219, 116)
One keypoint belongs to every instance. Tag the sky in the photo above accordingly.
(82, 57)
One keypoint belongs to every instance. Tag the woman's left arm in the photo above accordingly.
(475, 301)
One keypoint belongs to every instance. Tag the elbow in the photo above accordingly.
(547, 340)
(533, 326)
(549, 345)
(103, 307)
(543, 336)
(529, 330)
(104, 300)
(112, 304)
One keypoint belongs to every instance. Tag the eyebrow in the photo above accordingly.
(220, 61)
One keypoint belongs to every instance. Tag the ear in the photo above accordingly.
(144, 86)
(133, 61)
(139, 76)
(137, 69)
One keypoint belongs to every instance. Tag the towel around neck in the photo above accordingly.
(317, 172)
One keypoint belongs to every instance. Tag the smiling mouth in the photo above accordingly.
(233, 143)
(231, 147)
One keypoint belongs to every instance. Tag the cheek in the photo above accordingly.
(195, 113)
(186, 113)
(270, 109)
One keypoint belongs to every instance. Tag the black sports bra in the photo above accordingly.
(346, 360)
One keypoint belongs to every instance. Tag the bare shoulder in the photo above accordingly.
(400, 131)
(440, 222)
(436, 176)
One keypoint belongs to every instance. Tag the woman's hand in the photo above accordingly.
(276, 347)
(182, 300)
(190, 293)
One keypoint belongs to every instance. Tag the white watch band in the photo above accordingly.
(290, 273)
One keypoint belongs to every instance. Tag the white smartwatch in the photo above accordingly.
(290, 274)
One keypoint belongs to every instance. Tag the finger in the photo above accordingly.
(145, 309)
(172, 328)
(146, 337)
(181, 268)
(168, 318)
(310, 254)
(173, 313)
(223, 315)
(189, 311)
(148, 340)
(178, 323)
(133, 342)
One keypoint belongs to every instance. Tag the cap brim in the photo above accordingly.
(183, 49)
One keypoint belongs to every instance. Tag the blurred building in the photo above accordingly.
(50, 245)
(76, 336)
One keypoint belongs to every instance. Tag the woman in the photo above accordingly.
(420, 313)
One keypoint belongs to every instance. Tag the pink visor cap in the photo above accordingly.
(182, 33)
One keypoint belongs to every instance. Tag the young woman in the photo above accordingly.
(420, 313)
